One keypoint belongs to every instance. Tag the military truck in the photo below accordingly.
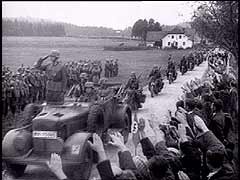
(65, 129)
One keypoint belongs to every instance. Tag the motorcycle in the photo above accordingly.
(155, 87)
(170, 77)
(191, 66)
(183, 69)
(134, 98)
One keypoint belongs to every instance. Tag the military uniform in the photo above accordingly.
(115, 67)
(56, 83)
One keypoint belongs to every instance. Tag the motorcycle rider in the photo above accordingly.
(171, 67)
(133, 86)
(183, 64)
(155, 75)
(190, 60)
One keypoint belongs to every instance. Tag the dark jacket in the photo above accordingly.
(217, 125)
(208, 141)
(56, 75)
(225, 173)
(160, 149)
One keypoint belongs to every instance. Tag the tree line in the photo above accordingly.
(141, 27)
(14, 27)
(218, 22)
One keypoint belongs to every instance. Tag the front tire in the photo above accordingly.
(17, 170)
(95, 121)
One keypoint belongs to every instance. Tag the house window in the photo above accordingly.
(172, 37)
(183, 43)
(180, 37)
(168, 43)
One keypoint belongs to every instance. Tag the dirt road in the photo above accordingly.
(157, 106)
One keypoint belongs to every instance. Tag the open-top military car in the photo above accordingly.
(65, 129)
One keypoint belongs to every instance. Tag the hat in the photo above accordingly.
(102, 80)
(89, 84)
(55, 53)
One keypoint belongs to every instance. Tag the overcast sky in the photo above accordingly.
(117, 15)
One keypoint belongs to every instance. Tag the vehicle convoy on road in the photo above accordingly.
(65, 129)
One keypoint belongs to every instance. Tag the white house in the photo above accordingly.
(175, 38)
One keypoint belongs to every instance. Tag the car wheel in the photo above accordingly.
(95, 121)
(83, 170)
(16, 170)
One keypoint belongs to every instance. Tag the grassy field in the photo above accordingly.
(26, 50)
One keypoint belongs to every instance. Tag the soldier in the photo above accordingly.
(90, 94)
(4, 96)
(111, 68)
(57, 78)
(104, 92)
(115, 67)
(107, 69)
(100, 67)
(86, 68)
(95, 73)
(154, 75)
(183, 65)
(11, 97)
(133, 86)
(171, 66)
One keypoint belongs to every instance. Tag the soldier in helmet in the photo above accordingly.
(104, 92)
(155, 75)
(115, 68)
(57, 78)
(90, 94)
(171, 66)
(133, 82)
(95, 73)
(133, 86)
(107, 69)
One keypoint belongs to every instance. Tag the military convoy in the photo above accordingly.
(65, 129)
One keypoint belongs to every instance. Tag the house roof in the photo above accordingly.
(176, 30)
(156, 35)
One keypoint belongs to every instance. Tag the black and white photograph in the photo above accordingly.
(120, 90)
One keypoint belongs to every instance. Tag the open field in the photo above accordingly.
(26, 50)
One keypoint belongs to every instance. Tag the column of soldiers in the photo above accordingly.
(111, 68)
(20, 88)
(93, 69)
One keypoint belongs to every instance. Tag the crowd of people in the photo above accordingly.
(28, 84)
(197, 142)
(21, 88)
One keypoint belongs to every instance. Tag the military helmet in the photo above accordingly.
(83, 75)
(55, 53)
(89, 85)
(102, 80)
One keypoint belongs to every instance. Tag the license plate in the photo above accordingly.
(45, 134)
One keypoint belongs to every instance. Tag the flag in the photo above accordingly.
(135, 131)
(228, 65)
